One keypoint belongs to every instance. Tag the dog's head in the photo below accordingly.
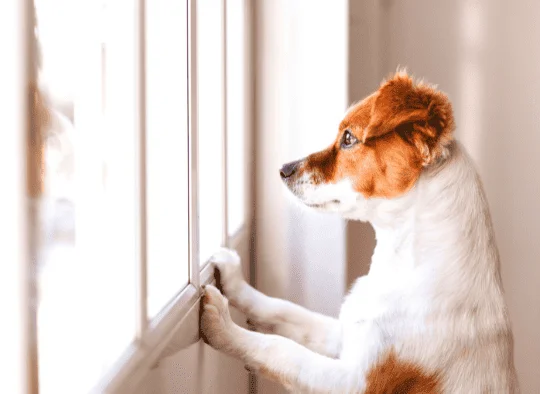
(383, 144)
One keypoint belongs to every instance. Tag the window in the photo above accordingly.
(167, 150)
(236, 116)
(211, 105)
(144, 176)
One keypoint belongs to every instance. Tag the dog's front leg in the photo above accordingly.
(317, 332)
(272, 356)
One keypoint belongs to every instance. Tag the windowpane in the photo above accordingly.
(210, 123)
(86, 270)
(167, 151)
(236, 184)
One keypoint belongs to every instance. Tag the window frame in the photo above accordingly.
(176, 326)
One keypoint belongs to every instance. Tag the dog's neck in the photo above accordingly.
(441, 226)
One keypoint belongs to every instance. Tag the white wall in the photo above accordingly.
(301, 95)
(485, 55)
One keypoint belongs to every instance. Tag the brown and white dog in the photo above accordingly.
(430, 316)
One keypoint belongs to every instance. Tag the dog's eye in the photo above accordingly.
(348, 140)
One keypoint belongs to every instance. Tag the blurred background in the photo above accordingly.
(289, 70)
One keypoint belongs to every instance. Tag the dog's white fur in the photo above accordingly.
(433, 294)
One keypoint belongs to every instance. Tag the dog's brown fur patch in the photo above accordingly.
(401, 128)
(393, 376)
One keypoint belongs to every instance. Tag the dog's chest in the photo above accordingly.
(376, 315)
(371, 299)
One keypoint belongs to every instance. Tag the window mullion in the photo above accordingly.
(225, 201)
(140, 131)
(193, 175)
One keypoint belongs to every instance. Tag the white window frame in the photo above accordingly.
(176, 326)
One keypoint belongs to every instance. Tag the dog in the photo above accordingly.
(430, 316)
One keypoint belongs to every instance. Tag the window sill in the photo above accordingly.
(174, 329)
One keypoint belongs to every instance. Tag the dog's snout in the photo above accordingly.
(289, 169)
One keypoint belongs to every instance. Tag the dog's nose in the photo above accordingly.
(289, 169)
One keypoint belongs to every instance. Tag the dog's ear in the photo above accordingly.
(417, 112)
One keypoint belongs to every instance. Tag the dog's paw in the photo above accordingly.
(228, 264)
(216, 322)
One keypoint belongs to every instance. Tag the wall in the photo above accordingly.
(485, 55)
(301, 94)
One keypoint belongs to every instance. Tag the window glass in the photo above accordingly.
(167, 151)
(236, 176)
(210, 124)
(86, 270)
(88, 211)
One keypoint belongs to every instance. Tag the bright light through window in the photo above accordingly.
(236, 113)
(167, 151)
(91, 278)
(210, 107)
(87, 307)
